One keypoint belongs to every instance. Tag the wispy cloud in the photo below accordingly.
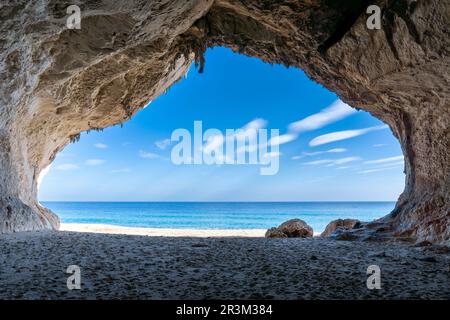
(332, 162)
(384, 164)
(256, 124)
(216, 142)
(346, 160)
(163, 144)
(390, 164)
(310, 154)
(377, 169)
(282, 139)
(272, 154)
(385, 160)
(318, 162)
(121, 170)
(67, 167)
(343, 135)
(378, 145)
(148, 155)
(94, 162)
(101, 145)
(336, 111)
(213, 143)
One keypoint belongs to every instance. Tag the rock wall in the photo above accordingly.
(56, 82)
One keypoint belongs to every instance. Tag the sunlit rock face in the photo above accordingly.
(57, 82)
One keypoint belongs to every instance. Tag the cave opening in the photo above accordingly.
(334, 161)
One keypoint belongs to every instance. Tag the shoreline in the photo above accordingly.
(163, 232)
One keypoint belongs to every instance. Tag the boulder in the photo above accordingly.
(275, 233)
(341, 224)
(294, 228)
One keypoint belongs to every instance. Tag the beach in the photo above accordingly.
(161, 232)
(123, 266)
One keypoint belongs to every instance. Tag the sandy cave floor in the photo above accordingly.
(33, 265)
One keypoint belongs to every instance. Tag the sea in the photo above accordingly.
(215, 215)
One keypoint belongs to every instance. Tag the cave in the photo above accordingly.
(58, 82)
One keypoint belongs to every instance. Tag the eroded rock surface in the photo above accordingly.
(56, 82)
(294, 228)
(341, 224)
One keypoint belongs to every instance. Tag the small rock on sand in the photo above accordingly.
(340, 224)
(294, 228)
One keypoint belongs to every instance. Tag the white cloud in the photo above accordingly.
(249, 129)
(284, 138)
(385, 160)
(67, 167)
(318, 162)
(337, 111)
(384, 164)
(333, 162)
(216, 142)
(94, 162)
(377, 170)
(310, 154)
(101, 145)
(213, 143)
(271, 155)
(347, 160)
(336, 150)
(378, 145)
(343, 135)
(148, 155)
(121, 170)
(389, 164)
(256, 124)
(163, 144)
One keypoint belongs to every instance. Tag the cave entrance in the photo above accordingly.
(334, 162)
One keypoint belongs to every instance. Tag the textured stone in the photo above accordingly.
(56, 83)
(344, 224)
(275, 233)
(294, 228)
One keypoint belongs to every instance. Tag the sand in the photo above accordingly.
(161, 232)
(33, 266)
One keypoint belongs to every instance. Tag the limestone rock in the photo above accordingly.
(275, 233)
(344, 224)
(344, 236)
(57, 82)
(294, 228)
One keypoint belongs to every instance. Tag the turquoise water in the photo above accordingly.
(215, 215)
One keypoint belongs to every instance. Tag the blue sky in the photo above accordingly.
(332, 152)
